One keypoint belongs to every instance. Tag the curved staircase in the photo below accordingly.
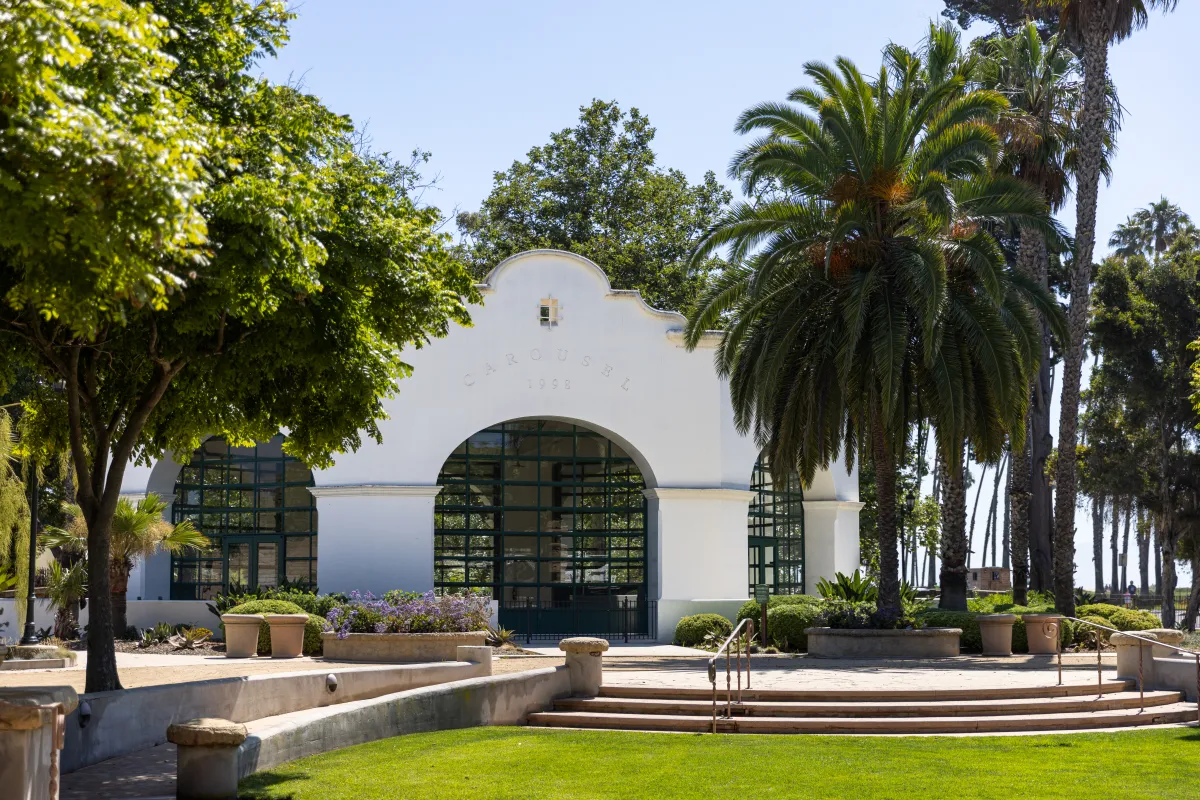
(1001, 710)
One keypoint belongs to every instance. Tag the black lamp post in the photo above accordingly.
(31, 636)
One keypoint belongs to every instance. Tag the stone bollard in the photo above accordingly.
(476, 654)
(584, 657)
(32, 729)
(208, 758)
(287, 634)
(996, 632)
(1042, 632)
(241, 634)
(1166, 636)
(1127, 656)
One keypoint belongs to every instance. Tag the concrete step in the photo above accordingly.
(1116, 718)
(872, 709)
(870, 695)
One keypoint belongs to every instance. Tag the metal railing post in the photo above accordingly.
(1099, 669)
(1141, 680)
(751, 628)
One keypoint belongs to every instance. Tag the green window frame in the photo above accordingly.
(254, 505)
(775, 529)
(541, 512)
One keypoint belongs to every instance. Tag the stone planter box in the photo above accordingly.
(844, 643)
(399, 648)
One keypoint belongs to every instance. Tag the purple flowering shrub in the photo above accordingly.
(406, 612)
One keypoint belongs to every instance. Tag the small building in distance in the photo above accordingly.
(989, 579)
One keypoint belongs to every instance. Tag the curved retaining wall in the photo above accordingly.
(132, 719)
(499, 700)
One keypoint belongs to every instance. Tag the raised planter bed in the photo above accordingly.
(859, 643)
(399, 648)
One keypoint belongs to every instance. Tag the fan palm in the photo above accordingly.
(1042, 81)
(1095, 24)
(836, 306)
(66, 586)
(1151, 229)
(138, 531)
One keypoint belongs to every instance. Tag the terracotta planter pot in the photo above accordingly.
(1042, 635)
(287, 634)
(996, 631)
(241, 634)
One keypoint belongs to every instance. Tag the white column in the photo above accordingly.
(374, 538)
(830, 540)
(700, 553)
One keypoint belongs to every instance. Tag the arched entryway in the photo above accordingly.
(254, 505)
(549, 518)
(775, 525)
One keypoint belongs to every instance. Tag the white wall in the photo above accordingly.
(612, 364)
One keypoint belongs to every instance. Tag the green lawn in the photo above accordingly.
(530, 764)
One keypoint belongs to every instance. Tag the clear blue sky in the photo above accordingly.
(478, 84)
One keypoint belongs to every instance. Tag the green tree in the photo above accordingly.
(841, 282)
(311, 271)
(596, 190)
(1009, 16)
(1146, 317)
(138, 532)
(1095, 24)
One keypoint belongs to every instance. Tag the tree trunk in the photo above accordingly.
(1193, 606)
(120, 593)
(1143, 545)
(1018, 500)
(1006, 546)
(1098, 541)
(1125, 544)
(974, 511)
(101, 668)
(954, 535)
(1117, 585)
(1158, 568)
(885, 522)
(1087, 183)
(1041, 443)
(1170, 579)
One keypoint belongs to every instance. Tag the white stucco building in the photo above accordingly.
(565, 454)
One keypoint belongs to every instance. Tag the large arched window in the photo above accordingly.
(550, 519)
(776, 529)
(254, 504)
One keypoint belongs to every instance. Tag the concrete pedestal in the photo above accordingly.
(1128, 650)
(584, 664)
(1166, 636)
(208, 758)
(31, 736)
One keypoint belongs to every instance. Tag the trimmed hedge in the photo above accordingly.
(692, 630)
(971, 640)
(786, 623)
(264, 630)
(312, 634)
(751, 610)
(1105, 610)
(1127, 619)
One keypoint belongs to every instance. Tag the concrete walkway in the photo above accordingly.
(646, 649)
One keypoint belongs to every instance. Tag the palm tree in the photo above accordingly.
(1151, 230)
(885, 193)
(137, 532)
(66, 586)
(1095, 24)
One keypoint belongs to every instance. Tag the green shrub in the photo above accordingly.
(691, 631)
(786, 623)
(1126, 619)
(312, 634)
(971, 640)
(1105, 610)
(750, 609)
(1086, 634)
(268, 607)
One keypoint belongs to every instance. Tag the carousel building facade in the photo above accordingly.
(565, 455)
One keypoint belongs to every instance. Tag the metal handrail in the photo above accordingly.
(1141, 667)
(746, 630)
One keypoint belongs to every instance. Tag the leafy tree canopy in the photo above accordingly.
(596, 190)
(1006, 15)
(304, 269)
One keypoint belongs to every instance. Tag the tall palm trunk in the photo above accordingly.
(1018, 501)
(1087, 185)
(954, 535)
(1125, 544)
(1193, 606)
(1117, 584)
(120, 594)
(974, 511)
(1143, 545)
(1006, 546)
(885, 522)
(1098, 541)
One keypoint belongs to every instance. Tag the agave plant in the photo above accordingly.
(856, 588)
(498, 637)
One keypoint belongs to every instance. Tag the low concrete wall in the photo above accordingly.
(133, 719)
(855, 643)
(1174, 674)
(399, 648)
(141, 613)
(500, 700)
